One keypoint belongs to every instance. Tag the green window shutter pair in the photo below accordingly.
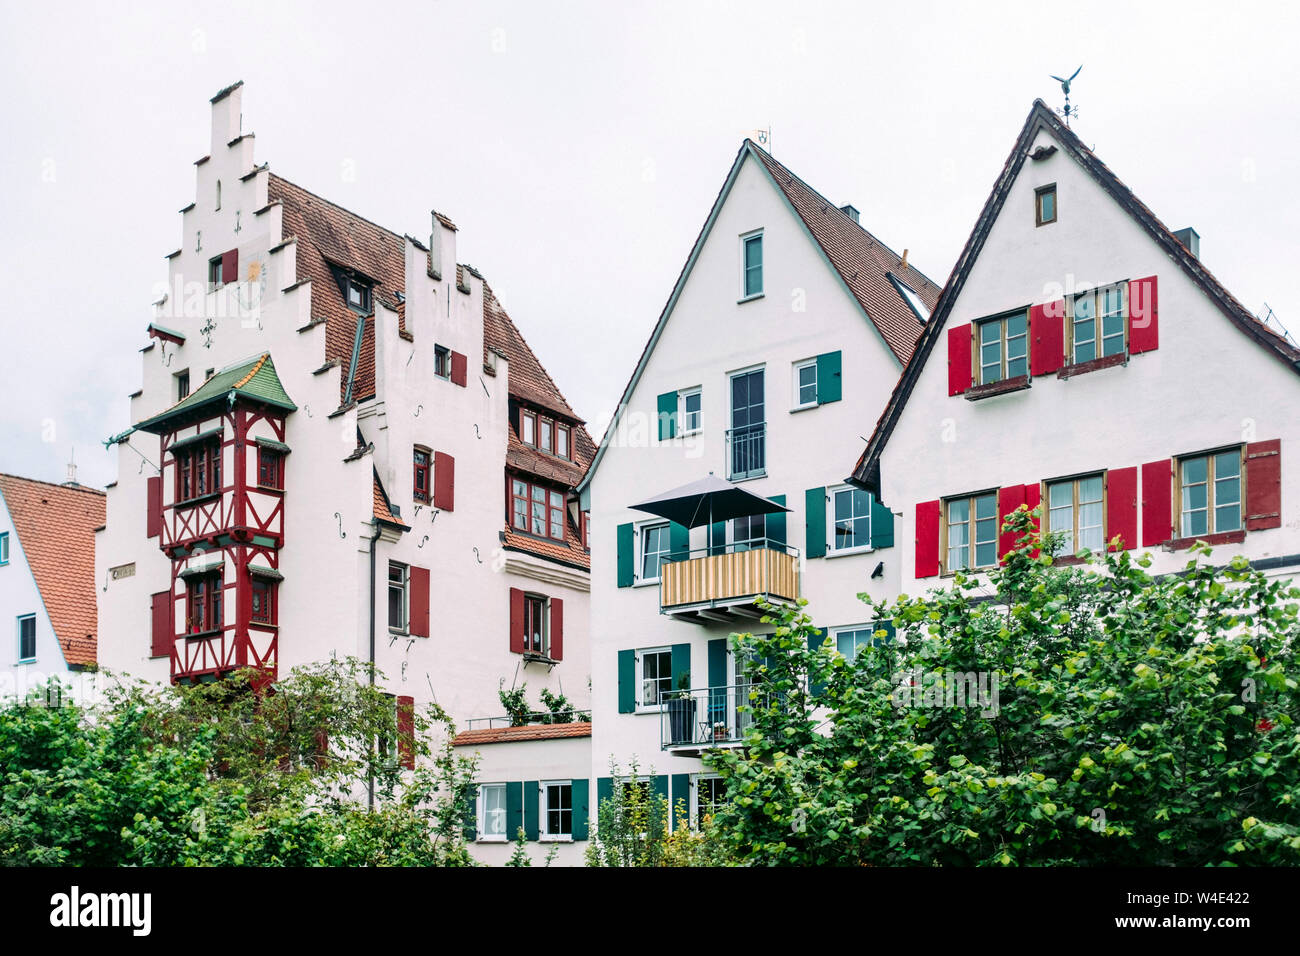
(776, 524)
(681, 658)
(829, 378)
(667, 408)
(626, 556)
(532, 809)
(626, 682)
(882, 525)
(815, 522)
(581, 796)
(680, 794)
(679, 541)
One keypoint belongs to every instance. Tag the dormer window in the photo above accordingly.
(358, 296)
(528, 428)
(562, 441)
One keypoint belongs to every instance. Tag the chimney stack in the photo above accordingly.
(1191, 239)
(903, 265)
(851, 212)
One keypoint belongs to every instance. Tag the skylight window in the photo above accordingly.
(912, 299)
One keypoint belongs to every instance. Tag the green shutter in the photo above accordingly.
(581, 795)
(471, 815)
(815, 640)
(625, 551)
(626, 682)
(828, 378)
(718, 537)
(814, 500)
(604, 791)
(681, 658)
(887, 627)
(882, 525)
(667, 415)
(679, 541)
(514, 809)
(659, 785)
(717, 680)
(532, 807)
(681, 793)
(776, 524)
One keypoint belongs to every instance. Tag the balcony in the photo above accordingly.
(747, 452)
(704, 718)
(723, 582)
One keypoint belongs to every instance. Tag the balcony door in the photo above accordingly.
(747, 449)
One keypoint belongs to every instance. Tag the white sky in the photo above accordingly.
(579, 145)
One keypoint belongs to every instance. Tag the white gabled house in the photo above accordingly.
(785, 331)
(1083, 357)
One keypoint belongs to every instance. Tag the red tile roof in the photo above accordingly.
(382, 510)
(56, 526)
(864, 262)
(505, 735)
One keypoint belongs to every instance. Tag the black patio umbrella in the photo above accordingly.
(708, 500)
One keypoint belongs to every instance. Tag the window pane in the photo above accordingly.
(1227, 464)
(562, 442)
(539, 517)
(986, 506)
(985, 554)
(1193, 470)
(1227, 518)
(958, 510)
(1194, 497)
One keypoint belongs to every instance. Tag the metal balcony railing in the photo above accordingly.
(729, 576)
(705, 717)
(747, 451)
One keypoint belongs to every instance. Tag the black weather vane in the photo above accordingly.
(1065, 88)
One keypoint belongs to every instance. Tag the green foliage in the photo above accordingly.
(515, 704)
(520, 855)
(560, 709)
(1137, 721)
(220, 775)
(631, 825)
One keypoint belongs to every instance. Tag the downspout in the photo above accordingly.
(374, 524)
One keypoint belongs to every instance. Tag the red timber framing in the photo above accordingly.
(235, 530)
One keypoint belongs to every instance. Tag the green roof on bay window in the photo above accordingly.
(254, 379)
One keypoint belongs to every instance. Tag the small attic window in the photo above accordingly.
(1045, 204)
(358, 295)
(218, 206)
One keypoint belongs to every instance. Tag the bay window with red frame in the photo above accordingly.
(198, 470)
(265, 600)
(203, 603)
(536, 509)
(270, 468)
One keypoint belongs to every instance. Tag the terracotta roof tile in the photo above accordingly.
(382, 510)
(505, 735)
(56, 526)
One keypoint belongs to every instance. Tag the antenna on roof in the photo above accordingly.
(72, 467)
(1065, 88)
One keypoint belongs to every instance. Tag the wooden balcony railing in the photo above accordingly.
(729, 580)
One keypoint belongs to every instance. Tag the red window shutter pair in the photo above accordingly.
(1143, 316)
(230, 267)
(419, 601)
(1264, 485)
(459, 368)
(162, 636)
(406, 732)
(959, 344)
(1046, 337)
(557, 629)
(1121, 507)
(927, 539)
(444, 481)
(1157, 502)
(516, 621)
(153, 506)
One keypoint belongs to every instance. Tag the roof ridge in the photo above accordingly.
(53, 484)
(253, 371)
(489, 293)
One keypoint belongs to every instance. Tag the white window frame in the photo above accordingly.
(1098, 337)
(641, 536)
(745, 239)
(831, 550)
(795, 404)
(406, 597)
(694, 798)
(482, 836)
(732, 539)
(683, 395)
(836, 632)
(446, 364)
(18, 639)
(4, 548)
(641, 706)
(543, 797)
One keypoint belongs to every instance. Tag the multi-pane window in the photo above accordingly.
(1098, 323)
(358, 296)
(536, 510)
(562, 441)
(265, 607)
(397, 603)
(747, 533)
(528, 428)
(198, 470)
(535, 623)
(1003, 347)
(654, 550)
(805, 384)
(182, 384)
(270, 468)
(753, 252)
(214, 273)
(710, 794)
(1045, 205)
(1074, 507)
(557, 809)
(442, 361)
(692, 418)
(492, 800)
(1210, 493)
(545, 429)
(421, 485)
(852, 518)
(656, 676)
(27, 638)
(972, 532)
(203, 602)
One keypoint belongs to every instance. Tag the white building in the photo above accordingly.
(785, 332)
(342, 446)
(1083, 356)
(47, 586)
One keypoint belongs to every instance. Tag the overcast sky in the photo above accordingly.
(579, 146)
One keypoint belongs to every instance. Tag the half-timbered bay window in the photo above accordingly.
(421, 483)
(1210, 493)
(397, 603)
(203, 602)
(1002, 347)
(1075, 508)
(972, 532)
(1098, 323)
(536, 510)
(265, 600)
(270, 468)
(198, 468)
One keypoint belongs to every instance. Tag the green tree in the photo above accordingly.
(631, 826)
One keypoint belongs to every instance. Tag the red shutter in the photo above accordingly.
(1157, 502)
(153, 499)
(959, 360)
(161, 643)
(230, 266)
(1047, 337)
(1143, 315)
(1033, 498)
(1264, 485)
(1009, 499)
(406, 731)
(557, 629)
(1121, 507)
(419, 601)
(458, 369)
(444, 481)
(927, 539)
(516, 621)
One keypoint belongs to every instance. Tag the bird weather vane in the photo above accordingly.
(1065, 88)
